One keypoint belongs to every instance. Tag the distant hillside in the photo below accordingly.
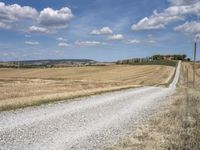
(54, 61)
(50, 63)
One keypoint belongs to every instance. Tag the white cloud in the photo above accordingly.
(116, 37)
(197, 36)
(193, 9)
(147, 23)
(61, 39)
(151, 41)
(88, 43)
(36, 29)
(32, 42)
(102, 31)
(55, 18)
(63, 44)
(189, 27)
(134, 41)
(4, 26)
(46, 19)
(171, 14)
(156, 21)
(15, 12)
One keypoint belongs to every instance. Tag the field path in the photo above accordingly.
(89, 123)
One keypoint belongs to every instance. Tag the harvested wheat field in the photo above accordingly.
(26, 87)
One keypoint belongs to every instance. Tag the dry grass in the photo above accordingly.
(176, 126)
(25, 87)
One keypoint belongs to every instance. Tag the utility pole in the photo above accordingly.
(18, 64)
(187, 76)
(194, 64)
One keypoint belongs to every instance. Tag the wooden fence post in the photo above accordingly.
(194, 64)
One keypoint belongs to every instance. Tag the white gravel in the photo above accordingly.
(89, 123)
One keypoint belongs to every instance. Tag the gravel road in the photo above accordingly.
(94, 122)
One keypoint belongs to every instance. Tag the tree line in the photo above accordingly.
(154, 58)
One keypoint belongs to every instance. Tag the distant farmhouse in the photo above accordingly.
(169, 57)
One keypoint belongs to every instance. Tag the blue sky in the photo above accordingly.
(104, 30)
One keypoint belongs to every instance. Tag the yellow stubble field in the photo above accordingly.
(27, 87)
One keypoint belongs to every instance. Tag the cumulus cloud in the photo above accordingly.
(63, 44)
(154, 22)
(102, 31)
(31, 42)
(36, 29)
(197, 38)
(16, 12)
(116, 37)
(171, 14)
(4, 26)
(42, 21)
(61, 39)
(89, 43)
(151, 41)
(189, 27)
(133, 41)
(55, 18)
